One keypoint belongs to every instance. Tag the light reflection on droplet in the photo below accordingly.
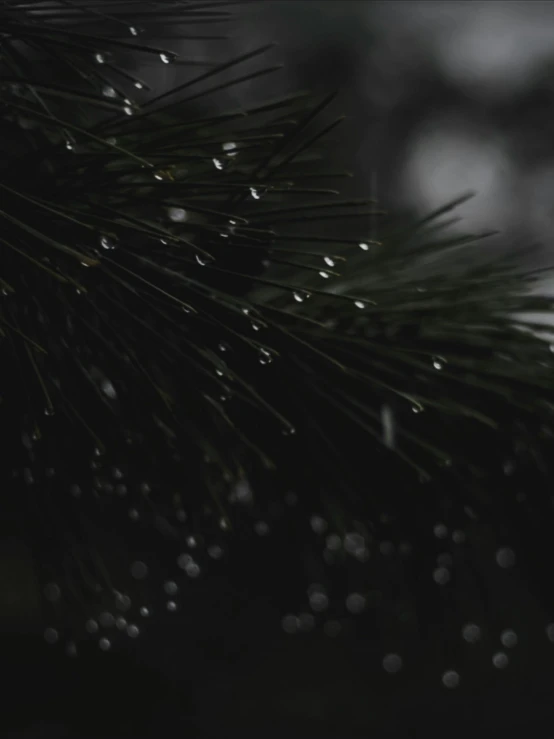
(99, 58)
(178, 215)
(171, 606)
(144, 611)
(392, 663)
(500, 660)
(471, 633)
(91, 626)
(133, 631)
(104, 644)
(329, 262)
(171, 587)
(363, 246)
(192, 569)
(508, 638)
(324, 274)
(451, 679)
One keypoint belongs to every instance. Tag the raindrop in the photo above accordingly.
(134, 514)
(104, 644)
(243, 492)
(133, 31)
(300, 297)
(471, 633)
(107, 620)
(440, 531)
(49, 411)
(318, 524)
(71, 649)
(458, 537)
(109, 92)
(218, 163)
(108, 389)
(133, 631)
(122, 602)
(171, 606)
(192, 569)
(223, 347)
(91, 626)
(167, 58)
(441, 575)
(121, 623)
(329, 262)
(392, 663)
(139, 570)
(223, 524)
(52, 592)
(191, 542)
(171, 587)
(181, 515)
(99, 58)
(550, 632)
(359, 304)
(177, 214)
(363, 246)
(324, 274)
(256, 194)
(318, 601)
(290, 624)
(139, 85)
(261, 528)
(438, 362)
(289, 431)
(352, 542)
(128, 110)
(500, 660)
(215, 552)
(51, 636)
(508, 638)
(505, 557)
(333, 543)
(69, 145)
(451, 679)
(256, 326)
(144, 611)
(355, 603)
(112, 141)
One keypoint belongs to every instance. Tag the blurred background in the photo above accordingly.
(442, 97)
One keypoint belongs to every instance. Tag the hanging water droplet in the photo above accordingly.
(355, 603)
(121, 623)
(438, 362)
(177, 214)
(441, 575)
(99, 58)
(508, 638)
(167, 57)
(109, 92)
(289, 431)
(107, 620)
(51, 636)
(192, 569)
(52, 592)
(171, 587)
(359, 304)
(104, 644)
(106, 243)
(505, 557)
(450, 679)
(215, 552)
(144, 611)
(256, 326)
(261, 528)
(49, 411)
(440, 531)
(139, 570)
(108, 389)
(392, 663)
(318, 524)
(290, 624)
(139, 85)
(325, 275)
(222, 347)
(230, 148)
(111, 140)
(500, 660)
(69, 145)
(329, 262)
(128, 110)
(301, 296)
(363, 246)
(265, 357)
(91, 626)
(218, 163)
(122, 602)
(255, 193)
(204, 259)
(133, 31)
(471, 633)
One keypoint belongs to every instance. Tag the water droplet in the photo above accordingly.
(51, 636)
(261, 528)
(122, 602)
(215, 551)
(329, 262)
(439, 362)
(139, 570)
(318, 524)
(392, 663)
(324, 274)
(441, 575)
(49, 411)
(204, 259)
(500, 660)
(508, 638)
(99, 58)
(177, 214)
(128, 110)
(104, 644)
(139, 85)
(265, 357)
(192, 569)
(352, 542)
(550, 632)
(230, 148)
(256, 193)
(69, 145)
(171, 606)
(121, 623)
(181, 515)
(306, 622)
(71, 649)
(440, 531)
(471, 633)
(167, 57)
(106, 243)
(112, 141)
(171, 587)
(256, 326)
(109, 92)
(107, 619)
(289, 431)
(505, 557)
(318, 601)
(363, 246)
(52, 592)
(333, 542)
(91, 626)
(301, 296)
(133, 631)
(290, 624)
(28, 476)
(458, 537)
(108, 389)
(355, 603)
(218, 163)
(144, 611)
(450, 679)
(359, 304)
(133, 31)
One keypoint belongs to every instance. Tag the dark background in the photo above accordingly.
(442, 97)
